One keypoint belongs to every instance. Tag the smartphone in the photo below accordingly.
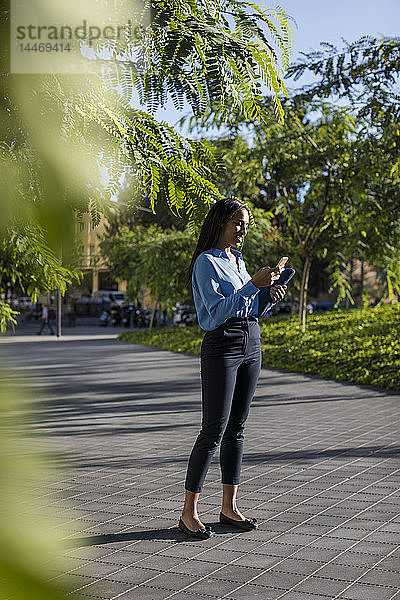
(282, 261)
(265, 302)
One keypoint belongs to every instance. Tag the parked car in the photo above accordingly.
(283, 308)
(110, 296)
(324, 306)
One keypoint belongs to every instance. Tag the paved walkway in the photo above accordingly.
(320, 473)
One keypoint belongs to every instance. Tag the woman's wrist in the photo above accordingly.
(260, 284)
(254, 283)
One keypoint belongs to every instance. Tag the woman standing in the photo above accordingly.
(228, 303)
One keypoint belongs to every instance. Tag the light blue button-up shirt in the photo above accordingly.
(221, 291)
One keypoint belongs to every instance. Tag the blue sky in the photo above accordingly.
(321, 21)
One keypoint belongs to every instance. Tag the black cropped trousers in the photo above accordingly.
(230, 367)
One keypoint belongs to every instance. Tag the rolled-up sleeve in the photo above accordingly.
(219, 306)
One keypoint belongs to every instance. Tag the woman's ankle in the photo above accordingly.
(188, 512)
(231, 506)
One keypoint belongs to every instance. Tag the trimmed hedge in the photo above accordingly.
(356, 345)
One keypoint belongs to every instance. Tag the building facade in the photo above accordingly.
(97, 275)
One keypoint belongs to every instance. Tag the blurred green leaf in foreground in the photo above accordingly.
(31, 546)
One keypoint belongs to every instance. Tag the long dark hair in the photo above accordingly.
(219, 214)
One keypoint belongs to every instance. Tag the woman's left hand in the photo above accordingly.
(277, 292)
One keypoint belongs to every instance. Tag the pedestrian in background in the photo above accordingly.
(70, 314)
(45, 318)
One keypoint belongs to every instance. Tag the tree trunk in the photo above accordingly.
(152, 316)
(153, 313)
(304, 292)
(7, 291)
(362, 283)
(351, 271)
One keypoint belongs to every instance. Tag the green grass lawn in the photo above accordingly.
(356, 345)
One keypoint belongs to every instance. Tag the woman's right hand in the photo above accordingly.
(266, 276)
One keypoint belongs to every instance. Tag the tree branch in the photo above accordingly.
(292, 216)
(322, 211)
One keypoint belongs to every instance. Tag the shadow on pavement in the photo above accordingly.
(170, 533)
(173, 534)
(306, 456)
(312, 455)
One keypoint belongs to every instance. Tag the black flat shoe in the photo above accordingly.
(246, 525)
(201, 534)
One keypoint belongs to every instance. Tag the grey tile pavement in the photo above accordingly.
(320, 473)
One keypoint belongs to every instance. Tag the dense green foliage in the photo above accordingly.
(61, 134)
(33, 543)
(202, 53)
(364, 72)
(155, 260)
(358, 345)
(329, 183)
(26, 261)
(331, 173)
(223, 54)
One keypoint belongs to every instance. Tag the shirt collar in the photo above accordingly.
(218, 252)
